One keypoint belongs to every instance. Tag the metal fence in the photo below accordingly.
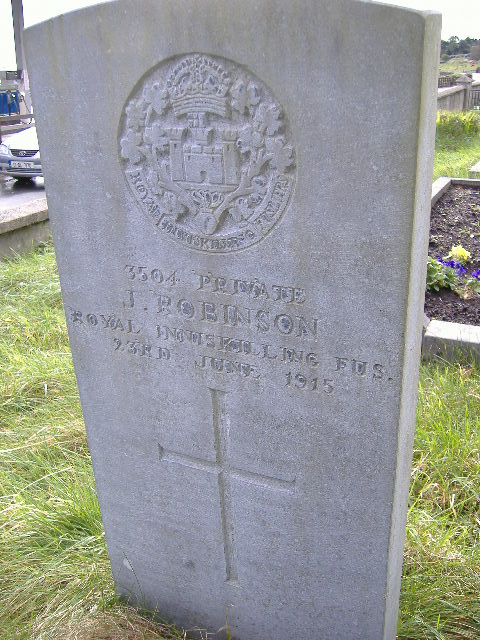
(474, 98)
(445, 81)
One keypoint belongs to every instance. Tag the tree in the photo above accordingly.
(475, 52)
(452, 47)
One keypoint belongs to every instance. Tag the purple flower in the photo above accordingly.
(476, 274)
(459, 268)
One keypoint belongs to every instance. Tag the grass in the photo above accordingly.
(459, 65)
(441, 574)
(457, 146)
(55, 580)
(54, 571)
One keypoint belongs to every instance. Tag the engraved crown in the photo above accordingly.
(198, 85)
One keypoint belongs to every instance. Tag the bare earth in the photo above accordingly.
(455, 220)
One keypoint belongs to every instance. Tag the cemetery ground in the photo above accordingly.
(455, 221)
(459, 65)
(55, 580)
(457, 146)
(54, 570)
(455, 217)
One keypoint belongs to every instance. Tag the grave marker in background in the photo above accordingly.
(240, 212)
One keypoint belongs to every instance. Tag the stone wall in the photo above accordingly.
(457, 98)
(452, 98)
(24, 227)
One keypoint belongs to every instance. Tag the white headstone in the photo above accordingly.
(239, 197)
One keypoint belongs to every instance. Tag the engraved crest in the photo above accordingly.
(207, 152)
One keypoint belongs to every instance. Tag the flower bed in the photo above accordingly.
(453, 279)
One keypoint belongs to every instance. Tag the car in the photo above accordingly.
(20, 155)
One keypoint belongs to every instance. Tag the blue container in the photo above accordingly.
(15, 105)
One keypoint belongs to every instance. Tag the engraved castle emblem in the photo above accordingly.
(207, 152)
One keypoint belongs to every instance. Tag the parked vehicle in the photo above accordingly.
(20, 155)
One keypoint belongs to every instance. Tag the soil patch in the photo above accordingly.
(455, 220)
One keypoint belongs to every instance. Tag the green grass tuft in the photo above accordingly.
(55, 578)
(457, 146)
(441, 574)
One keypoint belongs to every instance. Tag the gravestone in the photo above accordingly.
(239, 197)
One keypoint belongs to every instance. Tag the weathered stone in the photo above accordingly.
(240, 210)
(24, 227)
(475, 171)
(451, 340)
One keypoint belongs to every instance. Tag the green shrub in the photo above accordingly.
(440, 276)
(457, 124)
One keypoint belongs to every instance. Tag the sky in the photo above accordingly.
(460, 18)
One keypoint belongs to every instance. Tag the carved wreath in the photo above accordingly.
(261, 143)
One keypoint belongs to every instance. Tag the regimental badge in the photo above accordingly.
(207, 152)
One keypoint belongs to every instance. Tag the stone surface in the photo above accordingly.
(24, 215)
(24, 227)
(475, 171)
(439, 187)
(243, 287)
(451, 340)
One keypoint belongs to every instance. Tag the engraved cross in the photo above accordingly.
(225, 474)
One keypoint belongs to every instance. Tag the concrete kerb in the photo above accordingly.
(24, 227)
(475, 171)
(450, 340)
